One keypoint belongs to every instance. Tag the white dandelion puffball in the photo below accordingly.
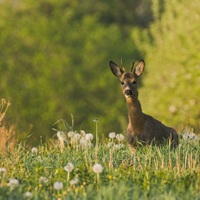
(3, 170)
(13, 182)
(76, 137)
(74, 181)
(190, 136)
(83, 142)
(61, 135)
(43, 179)
(34, 150)
(69, 167)
(110, 144)
(70, 134)
(89, 137)
(97, 168)
(83, 133)
(58, 185)
(28, 194)
(95, 120)
(120, 137)
(112, 135)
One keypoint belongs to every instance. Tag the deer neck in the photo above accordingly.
(135, 114)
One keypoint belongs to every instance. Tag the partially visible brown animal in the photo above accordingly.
(142, 128)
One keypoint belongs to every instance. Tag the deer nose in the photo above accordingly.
(128, 92)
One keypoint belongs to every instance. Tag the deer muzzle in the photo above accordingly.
(128, 92)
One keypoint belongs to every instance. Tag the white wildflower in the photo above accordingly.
(71, 134)
(76, 137)
(74, 181)
(97, 168)
(112, 135)
(110, 144)
(3, 170)
(83, 142)
(89, 136)
(28, 194)
(61, 135)
(190, 136)
(69, 167)
(43, 179)
(120, 137)
(34, 150)
(58, 185)
(83, 133)
(95, 120)
(13, 182)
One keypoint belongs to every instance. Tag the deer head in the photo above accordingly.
(128, 79)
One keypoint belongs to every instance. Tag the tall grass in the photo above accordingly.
(150, 173)
(7, 133)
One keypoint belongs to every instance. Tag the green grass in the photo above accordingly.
(150, 173)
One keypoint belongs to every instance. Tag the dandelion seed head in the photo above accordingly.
(83, 142)
(120, 137)
(76, 137)
(61, 135)
(97, 168)
(71, 134)
(74, 181)
(89, 136)
(43, 179)
(95, 120)
(112, 135)
(13, 182)
(34, 150)
(190, 136)
(3, 170)
(28, 194)
(69, 167)
(110, 144)
(83, 133)
(58, 185)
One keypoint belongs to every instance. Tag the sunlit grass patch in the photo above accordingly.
(78, 168)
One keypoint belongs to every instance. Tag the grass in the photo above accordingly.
(74, 166)
(150, 173)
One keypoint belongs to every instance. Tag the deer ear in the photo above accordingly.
(116, 70)
(139, 69)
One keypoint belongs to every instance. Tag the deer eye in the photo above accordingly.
(134, 82)
(122, 83)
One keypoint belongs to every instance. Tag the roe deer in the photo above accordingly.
(142, 128)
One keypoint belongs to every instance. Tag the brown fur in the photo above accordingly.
(142, 128)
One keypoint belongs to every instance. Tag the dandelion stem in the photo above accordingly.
(98, 180)
(97, 140)
(68, 176)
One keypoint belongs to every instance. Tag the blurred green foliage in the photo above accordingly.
(171, 48)
(54, 61)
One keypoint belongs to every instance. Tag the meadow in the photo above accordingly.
(80, 165)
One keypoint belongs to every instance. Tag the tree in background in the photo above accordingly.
(54, 62)
(171, 48)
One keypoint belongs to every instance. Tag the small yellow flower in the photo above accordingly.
(84, 183)
(109, 177)
(76, 189)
